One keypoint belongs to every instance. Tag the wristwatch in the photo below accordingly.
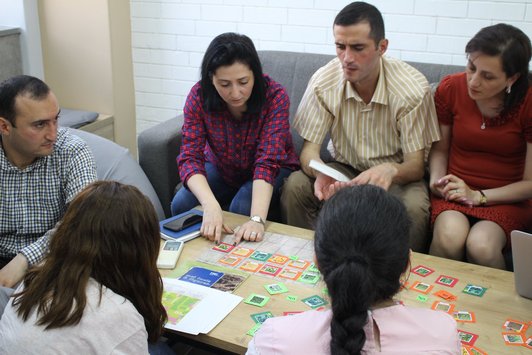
(257, 219)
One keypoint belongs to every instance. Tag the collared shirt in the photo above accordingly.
(33, 199)
(399, 119)
(254, 147)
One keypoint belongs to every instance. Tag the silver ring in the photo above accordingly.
(253, 234)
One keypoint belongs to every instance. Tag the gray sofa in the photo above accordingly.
(159, 145)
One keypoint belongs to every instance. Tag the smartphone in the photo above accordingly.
(181, 223)
(169, 254)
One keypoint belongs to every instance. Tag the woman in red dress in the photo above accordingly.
(481, 169)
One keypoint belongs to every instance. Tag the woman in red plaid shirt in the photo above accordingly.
(237, 147)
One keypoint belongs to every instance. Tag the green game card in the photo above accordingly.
(259, 318)
(260, 255)
(274, 289)
(422, 298)
(313, 268)
(291, 298)
(257, 300)
(253, 330)
(474, 290)
(314, 301)
(309, 277)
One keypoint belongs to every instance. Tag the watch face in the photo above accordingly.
(257, 219)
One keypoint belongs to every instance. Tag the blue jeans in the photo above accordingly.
(237, 198)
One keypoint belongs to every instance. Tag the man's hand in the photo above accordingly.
(380, 175)
(14, 271)
(325, 186)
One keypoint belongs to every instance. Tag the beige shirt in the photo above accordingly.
(400, 118)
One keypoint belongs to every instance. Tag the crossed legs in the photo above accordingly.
(455, 238)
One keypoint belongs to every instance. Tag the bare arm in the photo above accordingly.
(260, 204)
(308, 152)
(14, 271)
(438, 159)
(212, 225)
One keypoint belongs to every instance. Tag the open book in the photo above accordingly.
(327, 170)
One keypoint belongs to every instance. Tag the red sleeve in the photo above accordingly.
(443, 99)
(191, 159)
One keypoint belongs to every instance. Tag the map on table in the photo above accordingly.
(277, 256)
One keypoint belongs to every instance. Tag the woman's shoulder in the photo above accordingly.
(273, 88)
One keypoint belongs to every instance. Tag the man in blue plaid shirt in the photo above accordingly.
(42, 168)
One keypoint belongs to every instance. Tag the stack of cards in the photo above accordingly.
(515, 333)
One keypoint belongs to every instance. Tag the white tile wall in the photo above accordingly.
(170, 36)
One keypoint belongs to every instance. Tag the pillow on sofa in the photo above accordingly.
(76, 118)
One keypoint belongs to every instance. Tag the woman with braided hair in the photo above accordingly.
(361, 263)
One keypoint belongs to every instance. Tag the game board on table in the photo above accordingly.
(277, 256)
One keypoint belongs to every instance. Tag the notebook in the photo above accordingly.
(521, 251)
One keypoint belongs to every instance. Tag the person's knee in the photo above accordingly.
(241, 203)
(296, 185)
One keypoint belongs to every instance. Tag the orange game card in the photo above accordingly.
(290, 274)
(421, 287)
(513, 339)
(442, 306)
(473, 350)
(299, 264)
(251, 266)
(516, 326)
(230, 260)
(243, 252)
(464, 316)
(445, 295)
(278, 259)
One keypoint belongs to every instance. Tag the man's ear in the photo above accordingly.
(5, 126)
(382, 46)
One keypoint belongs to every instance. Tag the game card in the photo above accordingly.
(243, 252)
(309, 278)
(253, 330)
(291, 313)
(289, 274)
(270, 270)
(467, 338)
(446, 280)
(422, 270)
(473, 350)
(313, 268)
(422, 298)
(474, 290)
(223, 247)
(291, 298)
(515, 326)
(260, 255)
(528, 342)
(278, 259)
(513, 339)
(445, 295)
(464, 316)
(274, 289)
(299, 264)
(314, 301)
(259, 318)
(257, 300)
(230, 260)
(250, 265)
(442, 306)
(421, 287)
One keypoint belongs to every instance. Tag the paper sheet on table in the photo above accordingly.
(195, 309)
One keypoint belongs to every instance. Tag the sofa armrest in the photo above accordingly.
(158, 148)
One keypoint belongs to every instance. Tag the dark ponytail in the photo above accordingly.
(361, 246)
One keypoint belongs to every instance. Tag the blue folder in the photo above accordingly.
(183, 235)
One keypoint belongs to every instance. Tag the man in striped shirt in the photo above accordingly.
(380, 115)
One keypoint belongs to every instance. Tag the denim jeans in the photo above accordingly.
(238, 199)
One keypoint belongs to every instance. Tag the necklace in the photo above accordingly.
(483, 125)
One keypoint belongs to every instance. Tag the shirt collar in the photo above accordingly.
(380, 96)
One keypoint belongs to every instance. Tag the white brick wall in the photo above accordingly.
(170, 36)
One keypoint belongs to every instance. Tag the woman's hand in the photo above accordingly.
(252, 231)
(212, 225)
(452, 188)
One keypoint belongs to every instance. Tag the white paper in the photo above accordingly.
(210, 309)
(327, 170)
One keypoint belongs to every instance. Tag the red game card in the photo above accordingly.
(446, 280)
(291, 313)
(223, 247)
(422, 270)
(467, 338)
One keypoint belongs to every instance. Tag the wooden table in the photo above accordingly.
(499, 303)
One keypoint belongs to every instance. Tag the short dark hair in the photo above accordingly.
(361, 246)
(224, 50)
(360, 11)
(19, 85)
(513, 46)
(110, 232)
